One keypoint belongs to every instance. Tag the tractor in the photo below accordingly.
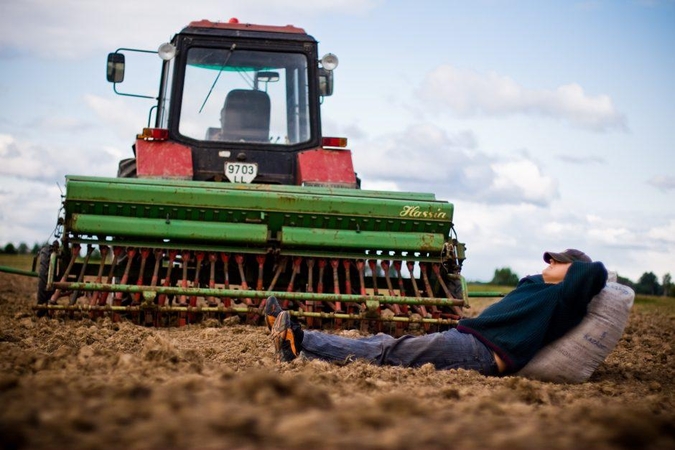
(233, 195)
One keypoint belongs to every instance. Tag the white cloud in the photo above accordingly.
(516, 236)
(32, 177)
(501, 236)
(611, 235)
(629, 247)
(387, 186)
(61, 124)
(26, 160)
(28, 210)
(556, 228)
(591, 159)
(76, 28)
(664, 234)
(116, 153)
(426, 158)
(423, 152)
(117, 113)
(523, 180)
(468, 93)
(605, 231)
(663, 182)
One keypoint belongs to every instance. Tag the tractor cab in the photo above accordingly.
(238, 103)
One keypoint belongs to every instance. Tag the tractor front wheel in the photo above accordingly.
(127, 168)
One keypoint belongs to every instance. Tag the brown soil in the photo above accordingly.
(80, 384)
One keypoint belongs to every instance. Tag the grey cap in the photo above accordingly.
(568, 256)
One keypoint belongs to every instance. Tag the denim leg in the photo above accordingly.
(446, 350)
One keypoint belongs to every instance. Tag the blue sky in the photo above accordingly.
(548, 124)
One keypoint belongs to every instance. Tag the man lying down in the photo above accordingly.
(502, 340)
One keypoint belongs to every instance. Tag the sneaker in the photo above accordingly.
(272, 310)
(286, 343)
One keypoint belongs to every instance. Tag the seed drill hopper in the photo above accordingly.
(234, 195)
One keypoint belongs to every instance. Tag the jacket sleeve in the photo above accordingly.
(582, 282)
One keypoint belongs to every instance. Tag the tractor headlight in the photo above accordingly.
(167, 51)
(329, 61)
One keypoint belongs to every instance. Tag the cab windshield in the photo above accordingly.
(245, 96)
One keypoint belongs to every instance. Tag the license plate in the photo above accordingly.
(239, 172)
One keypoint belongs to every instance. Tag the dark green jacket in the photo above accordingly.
(535, 313)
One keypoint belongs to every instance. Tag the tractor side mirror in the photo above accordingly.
(115, 69)
(325, 82)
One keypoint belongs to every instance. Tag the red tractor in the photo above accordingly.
(234, 195)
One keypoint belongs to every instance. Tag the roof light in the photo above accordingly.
(329, 61)
(167, 51)
(334, 142)
(154, 134)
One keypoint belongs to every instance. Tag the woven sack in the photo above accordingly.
(574, 357)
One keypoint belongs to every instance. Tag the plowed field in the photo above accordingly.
(83, 384)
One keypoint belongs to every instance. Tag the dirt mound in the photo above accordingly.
(83, 384)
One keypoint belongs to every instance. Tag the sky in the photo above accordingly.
(547, 124)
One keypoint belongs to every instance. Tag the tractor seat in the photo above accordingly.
(246, 116)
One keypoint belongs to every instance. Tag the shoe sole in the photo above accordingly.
(280, 333)
(269, 313)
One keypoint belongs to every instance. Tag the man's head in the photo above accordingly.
(568, 256)
(559, 263)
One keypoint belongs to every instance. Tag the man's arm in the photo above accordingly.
(582, 282)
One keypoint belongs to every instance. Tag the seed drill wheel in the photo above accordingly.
(43, 295)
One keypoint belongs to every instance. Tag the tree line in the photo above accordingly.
(21, 249)
(648, 284)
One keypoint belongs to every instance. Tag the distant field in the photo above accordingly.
(23, 262)
(652, 303)
(647, 303)
(476, 287)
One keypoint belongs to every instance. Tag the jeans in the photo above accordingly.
(445, 350)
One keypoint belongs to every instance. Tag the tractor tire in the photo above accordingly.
(43, 295)
(127, 168)
(455, 287)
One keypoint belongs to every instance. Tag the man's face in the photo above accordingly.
(555, 271)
